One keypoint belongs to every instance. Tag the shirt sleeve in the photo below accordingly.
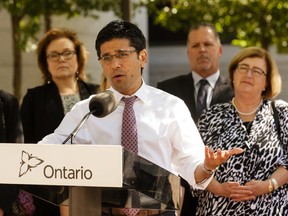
(189, 148)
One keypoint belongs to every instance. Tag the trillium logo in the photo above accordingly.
(28, 162)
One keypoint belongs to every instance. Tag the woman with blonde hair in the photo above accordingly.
(254, 182)
(103, 83)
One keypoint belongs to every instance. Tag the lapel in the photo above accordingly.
(53, 102)
(187, 88)
(222, 91)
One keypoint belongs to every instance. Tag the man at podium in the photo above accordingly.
(147, 121)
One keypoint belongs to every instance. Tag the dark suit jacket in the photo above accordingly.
(10, 121)
(183, 87)
(41, 112)
(10, 132)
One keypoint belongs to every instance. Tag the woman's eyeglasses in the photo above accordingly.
(55, 56)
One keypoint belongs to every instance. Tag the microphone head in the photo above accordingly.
(102, 103)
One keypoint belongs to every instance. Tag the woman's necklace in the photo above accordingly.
(246, 114)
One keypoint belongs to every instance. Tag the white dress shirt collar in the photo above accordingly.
(212, 79)
(140, 93)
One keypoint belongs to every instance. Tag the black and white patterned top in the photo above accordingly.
(221, 127)
(69, 101)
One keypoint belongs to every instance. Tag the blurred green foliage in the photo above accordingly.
(243, 22)
(28, 16)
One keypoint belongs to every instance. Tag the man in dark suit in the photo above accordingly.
(10, 132)
(204, 51)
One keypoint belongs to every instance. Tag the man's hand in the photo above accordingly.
(214, 160)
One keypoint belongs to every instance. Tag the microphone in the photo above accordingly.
(101, 105)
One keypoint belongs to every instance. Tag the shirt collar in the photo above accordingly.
(212, 79)
(140, 93)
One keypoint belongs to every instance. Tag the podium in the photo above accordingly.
(91, 179)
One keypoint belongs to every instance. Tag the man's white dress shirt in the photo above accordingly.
(167, 135)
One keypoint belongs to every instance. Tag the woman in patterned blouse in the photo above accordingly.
(254, 182)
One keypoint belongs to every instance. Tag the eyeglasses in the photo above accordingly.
(55, 56)
(255, 71)
(121, 55)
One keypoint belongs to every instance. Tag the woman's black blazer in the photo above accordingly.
(42, 109)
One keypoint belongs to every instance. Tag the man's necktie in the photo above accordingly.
(26, 201)
(202, 96)
(129, 140)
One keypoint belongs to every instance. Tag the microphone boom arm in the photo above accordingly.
(75, 131)
(101, 105)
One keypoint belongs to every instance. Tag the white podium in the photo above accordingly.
(88, 177)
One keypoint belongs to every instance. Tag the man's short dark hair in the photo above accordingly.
(118, 29)
(196, 26)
